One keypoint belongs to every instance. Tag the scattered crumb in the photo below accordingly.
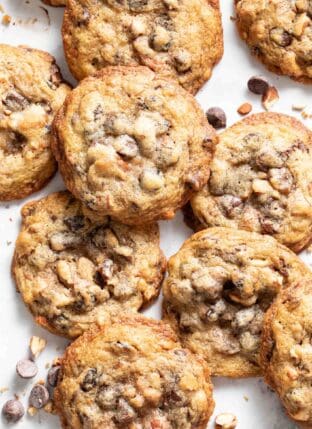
(244, 109)
(270, 97)
(3, 390)
(32, 411)
(246, 398)
(298, 107)
(47, 365)
(49, 408)
(1, 8)
(9, 242)
(226, 421)
(37, 345)
(42, 382)
(233, 18)
(307, 113)
(6, 20)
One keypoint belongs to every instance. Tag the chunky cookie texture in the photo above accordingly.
(132, 145)
(133, 374)
(286, 353)
(73, 270)
(31, 92)
(261, 180)
(279, 33)
(153, 33)
(220, 285)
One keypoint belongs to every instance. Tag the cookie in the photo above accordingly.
(279, 33)
(220, 284)
(261, 180)
(132, 145)
(286, 351)
(133, 374)
(179, 39)
(31, 92)
(73, 269)
(55, 2)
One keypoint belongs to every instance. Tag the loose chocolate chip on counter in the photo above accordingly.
(26, 368)
(216, 117)
(13, 410)
(258, 85)
(53, 375)
(39, 396)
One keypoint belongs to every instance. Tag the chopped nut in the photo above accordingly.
(270, 97)
(226, 421)
(37, 345)
(32, 411)
(298, 107)
(244, 109)
(307, 113)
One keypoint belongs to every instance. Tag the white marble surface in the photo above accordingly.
(252, 402)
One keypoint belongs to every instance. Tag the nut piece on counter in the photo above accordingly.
(270, 97)
(244, 109)
(13, 411)
(258, 85)
(226, 421)
(37, 345)
(216, 117)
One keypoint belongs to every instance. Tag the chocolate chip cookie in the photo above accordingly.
(133, 374)
(279, 33)
(132, 145)
(31, 91)
(220, 285)
(179, 39)
(286, 353)
(73, 269)
(261, 180)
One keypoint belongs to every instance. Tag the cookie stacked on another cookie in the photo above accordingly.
(133, 373)
(261, 180)
(31, 92)
(132, 145)
(220, 285)
(74, 270)
(178, 39)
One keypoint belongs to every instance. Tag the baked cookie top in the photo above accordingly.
(179, 39)
(286, 352)
(279, 32)
(220, 284)
(261, 180)
(73, 270)
(132, 145)
(31, 91)
(133, 374)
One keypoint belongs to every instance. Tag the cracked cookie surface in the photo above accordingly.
(279, 33)
(73, 269)
(31, 92)
(261, 180)
(219, 286)
(133, 374)
(179, 39)
(286, 351)
(132, 145)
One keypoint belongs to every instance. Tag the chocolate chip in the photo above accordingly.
(137, 5)
(281, 37)
(15, 102)
(53, 375)
(216, 117)
(125, 413)
(26, 368)
(39, 396)
(74, 223)
(13, 410)
(258, 85)
(90, 380)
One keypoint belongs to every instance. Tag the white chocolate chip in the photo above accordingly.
(226, 421)
(151, 180)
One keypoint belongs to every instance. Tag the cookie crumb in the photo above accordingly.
(32, 411)
(244, 109)
(270, 97)
(3, 390)
(246, 398)
(6, 20)
(226, 421)
(37, 345)
(298, 107)
(307, 113)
